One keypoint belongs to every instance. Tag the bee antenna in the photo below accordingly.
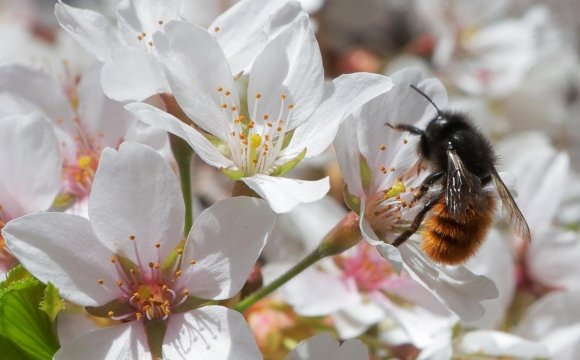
(426, 97)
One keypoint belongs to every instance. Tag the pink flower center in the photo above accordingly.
(366, 267)
(152, 290)
(79, 174)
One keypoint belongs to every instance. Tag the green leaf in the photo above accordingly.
(52, 303)
(289, 165)
(23, 323)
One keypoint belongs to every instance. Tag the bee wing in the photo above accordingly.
(461, 187)
(516, 218)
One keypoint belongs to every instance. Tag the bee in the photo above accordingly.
(461, 211)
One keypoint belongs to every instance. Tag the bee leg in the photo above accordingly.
(404, 127)
(417, 221)
(427, 183)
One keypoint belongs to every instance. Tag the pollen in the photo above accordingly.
(84, 162)
(291, 106)
(160, 22)
(119, 283)
(220, 89)
(258, 96)
(131, 237)
(383, 169)
(227, 93)
(110, 313)
(100, 281)
(405, 141)
(383, 147)
(256, 140)
(150, 43)
(216, 29)
(266, 117)
(192, 262)
(157, 245)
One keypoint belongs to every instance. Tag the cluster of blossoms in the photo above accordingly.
(226, 188)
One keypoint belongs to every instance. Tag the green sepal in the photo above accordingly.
(155, 330)
(353, 202)
(287, 137)
(52, 304)
(22, 322)
(219, 144)
(232, 173)
(63, 201)
(168, 264)
(191, 303)
(117, 306)
(289, 165)
(10, 351)
(366, 174)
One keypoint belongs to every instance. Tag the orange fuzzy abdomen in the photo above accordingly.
(453, 240)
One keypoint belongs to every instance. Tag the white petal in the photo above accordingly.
(38, 88)
(188, 53)
(121, 342)
(226, 241)
(553, 261)
(210, 333)
(90, 29)
(458, 288)
(135, 193)
(289, 65)
(30, 165)
(342, 97)
(347, 154)
(494, 260)
(317, 293)
(143, 16)
(64, 250)
(354, 320)
(284, 194)
(202, 146)
(246, 27)
(554, 320)
(495, 343)
(105, 120)
(323, 347)
(133, 74)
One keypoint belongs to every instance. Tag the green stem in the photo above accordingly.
(343, 236)
(183, 154)
(312, 258)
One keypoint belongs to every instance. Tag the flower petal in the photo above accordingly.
(354, 320)
(342, 97)
(202, 146)
(553, 261)
(499, 344)
(241, 39)
(226, 240)
(346, 148)
(457, 287)
(290, 65)
(30, 165)
(187, 52)
(494, 260)
(284, 194)
(37, 88)
(64, 250)
(144, 16)
(323, 346)
(105, 120)
(120, 342)
(90, 29)
(135, 193)
(317, 293)
(133, 74)
(209, 333)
